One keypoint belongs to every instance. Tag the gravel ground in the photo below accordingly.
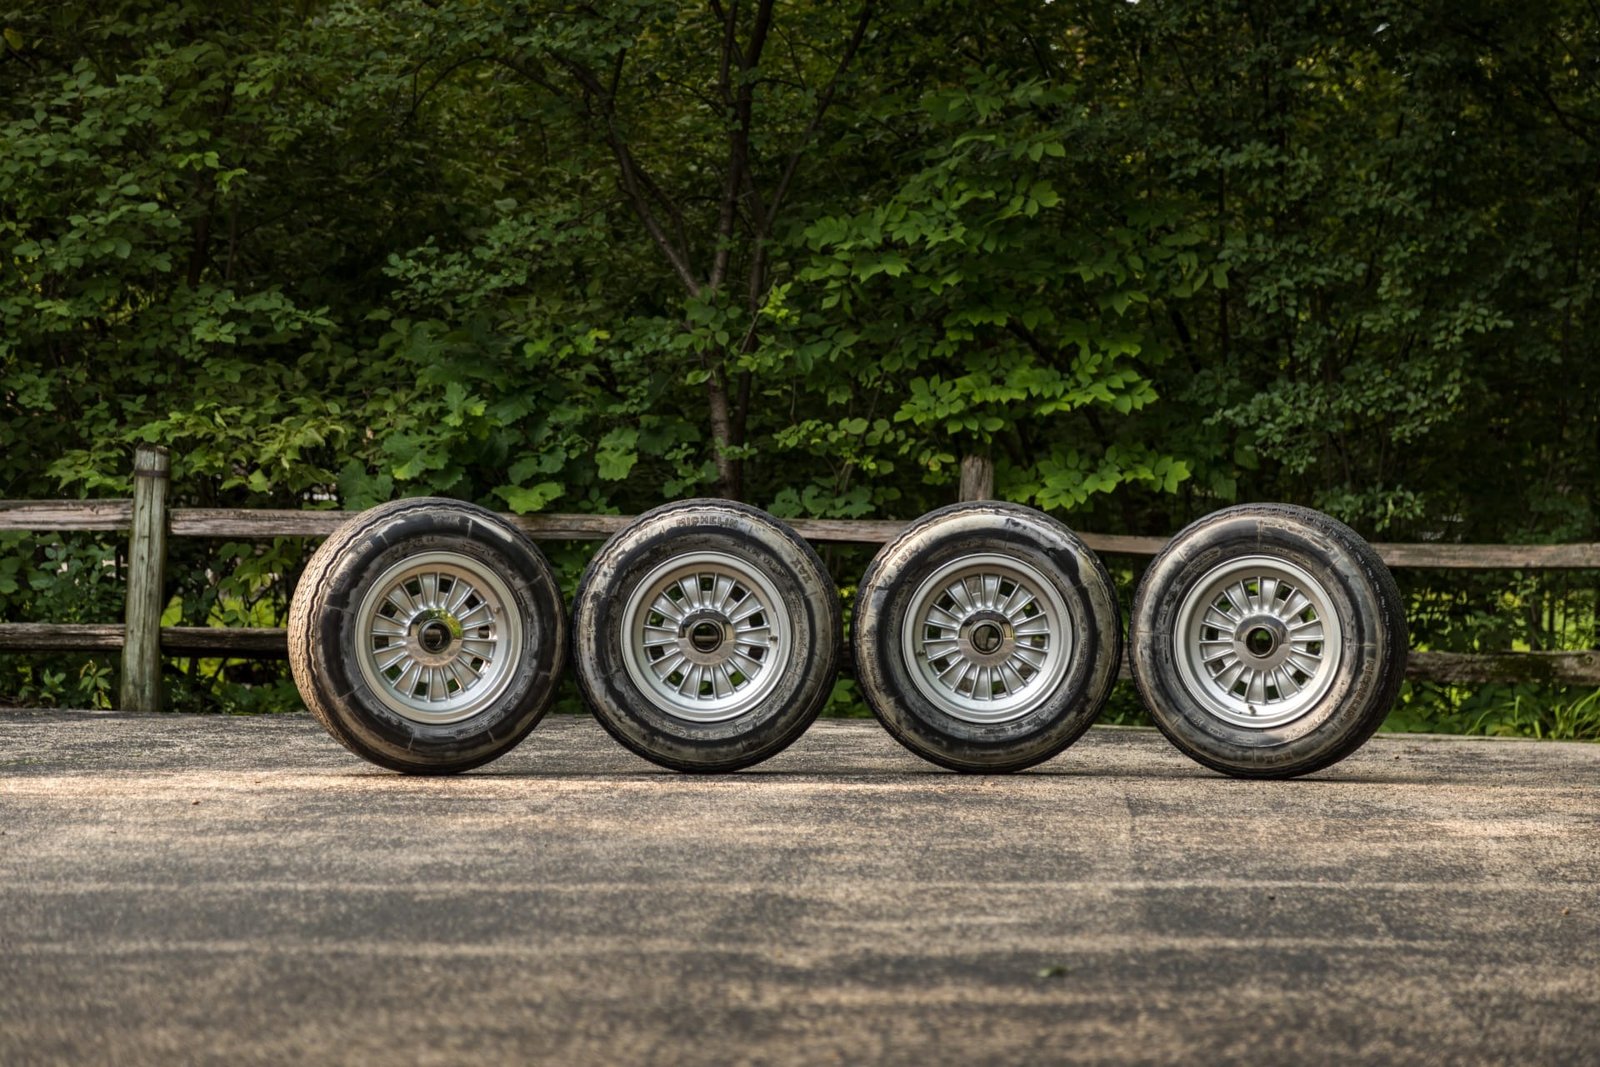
(182, 889)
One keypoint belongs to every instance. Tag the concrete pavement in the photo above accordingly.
(216, 890)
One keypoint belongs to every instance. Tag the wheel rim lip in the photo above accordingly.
(1038, 688)
(1203, 686)
(490, 685)
(664, 696)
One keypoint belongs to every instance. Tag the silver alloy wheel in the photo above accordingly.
(1257, 641)
(987, 638)
(705, 636)
(439, 639)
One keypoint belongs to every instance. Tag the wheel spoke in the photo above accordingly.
(755, 666)
(481, 608)
(667, 664)
(462, 672)
(958, 594)
(1016, 614)
(389, 657)
(1229, 676)
(1009, 675)
(1269, 592)
(1033, 657)
(1302, 662)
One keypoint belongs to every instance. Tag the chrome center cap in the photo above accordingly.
(1262, 641)
(986, 638)
(706, 638)
(433, 637)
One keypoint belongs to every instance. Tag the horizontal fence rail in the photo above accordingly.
(116, 515)
(1580, 668)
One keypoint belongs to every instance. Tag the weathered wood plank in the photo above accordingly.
(147, 565)
(256, 642)
(256, 522)
(849, 531)
(286, 522)
(977, 479)
(557, 527)
(44, 637)
(1548, 668)
(45, 515)
(1492, 557)
(243, 643)
(1123, 544)
(222, 522)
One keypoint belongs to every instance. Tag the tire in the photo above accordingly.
(1268, 641)
(987, 637)
(742, 625)
(395, 628)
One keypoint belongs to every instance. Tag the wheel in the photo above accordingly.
(1268, 641)
(987, 637)
(427, 635)
(706, 635)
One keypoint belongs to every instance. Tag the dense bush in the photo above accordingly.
(1149, 258)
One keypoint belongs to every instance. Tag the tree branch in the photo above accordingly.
(635, 180)
(823, 103)
(739, 132)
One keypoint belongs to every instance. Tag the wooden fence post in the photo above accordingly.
(147, 564)
(977, 478)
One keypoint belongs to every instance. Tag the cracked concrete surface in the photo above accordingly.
(211, 890)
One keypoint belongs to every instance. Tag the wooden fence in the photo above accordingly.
(148, 521)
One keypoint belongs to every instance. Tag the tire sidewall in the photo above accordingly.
(330, 623)
(805, 593)
(1364, 606)
(1030, 537)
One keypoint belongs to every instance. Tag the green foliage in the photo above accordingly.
(1542, 712)
(1150, 259)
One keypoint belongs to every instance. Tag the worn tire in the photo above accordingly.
(987, 637)
(742, 645)
(464, 585)
(1268, 641)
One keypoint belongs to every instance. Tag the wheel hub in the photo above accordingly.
(439, 638)
(432, 636)
(987, 638)
(1263, 641)
(1258, 641)
(706, 638)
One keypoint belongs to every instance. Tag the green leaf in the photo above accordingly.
(523, 499)
(616, 456)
